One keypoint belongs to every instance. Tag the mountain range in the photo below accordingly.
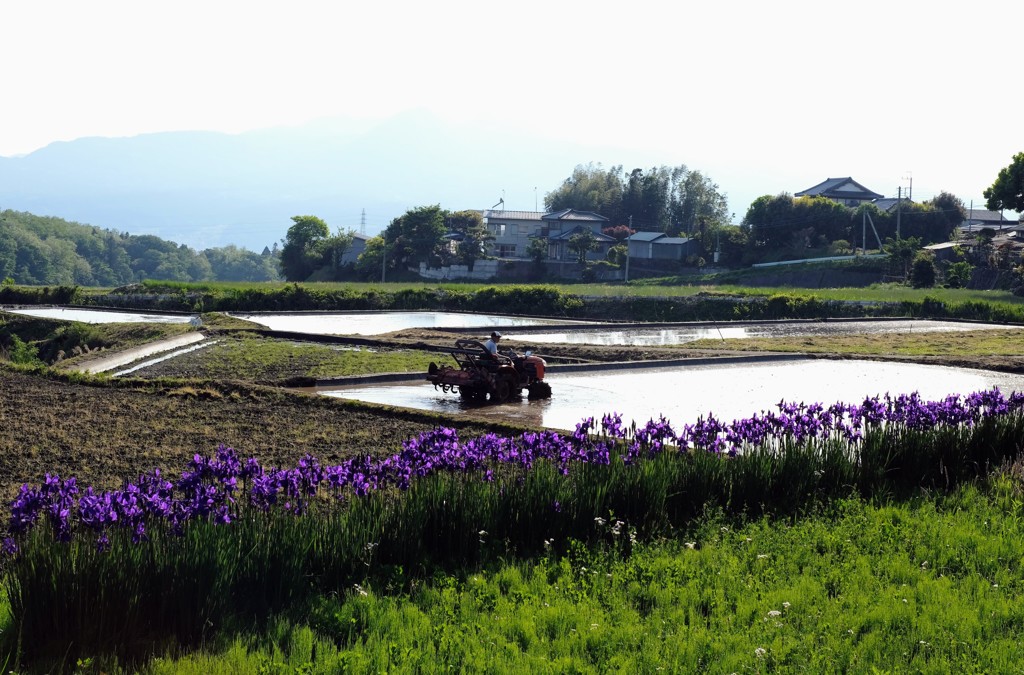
(209, 189)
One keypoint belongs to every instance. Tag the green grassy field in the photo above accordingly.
(931, 585)
(259, 359)
(667, 287)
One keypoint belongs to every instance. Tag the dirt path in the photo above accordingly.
(108, 361)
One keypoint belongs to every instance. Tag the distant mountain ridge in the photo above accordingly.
(210, 189)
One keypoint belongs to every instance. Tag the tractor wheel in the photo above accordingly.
(502, 389)
(472, 394)
(539, 390)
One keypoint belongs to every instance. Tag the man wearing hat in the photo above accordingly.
(492, 344)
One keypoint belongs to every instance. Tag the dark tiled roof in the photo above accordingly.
(646, 236)
(886, 203)
(567, 235)
(830, 188)
(985, 216)
(573, 214)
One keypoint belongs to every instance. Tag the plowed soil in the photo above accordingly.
(106, 434)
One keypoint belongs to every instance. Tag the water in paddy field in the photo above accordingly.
(375, 323)
(100, 315)
(683, 394)
(638, 336)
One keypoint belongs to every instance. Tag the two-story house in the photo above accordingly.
(513, 230)
(846, 191)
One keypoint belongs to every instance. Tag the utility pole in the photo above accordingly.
(383, 255)
(899, 209)
(627, 246)
(362, 223)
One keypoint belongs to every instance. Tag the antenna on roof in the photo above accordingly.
(501, 202)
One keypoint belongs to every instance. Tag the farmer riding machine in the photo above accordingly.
(480, 376)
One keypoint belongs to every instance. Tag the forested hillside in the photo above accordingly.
(44, 250)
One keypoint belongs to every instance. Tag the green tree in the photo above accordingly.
(231, 263)
(958, 274)
(696, 205)
(617, 254)
(769, 222)
(301, 252)
(590, 188)
(581, 244)
(331, 250)
(537, 250)
(922, 272)
(415, 236)
(901, 254)
(370, 262)
(733, 240)
(1007, 192)
(475, 237)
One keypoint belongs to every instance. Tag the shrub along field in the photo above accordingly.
(649, 300)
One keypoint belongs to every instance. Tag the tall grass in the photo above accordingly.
(930, 585)
(74, 599)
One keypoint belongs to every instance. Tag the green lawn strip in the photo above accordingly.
(969, 343)
(659, 287)
(933, 585)
(247, 357)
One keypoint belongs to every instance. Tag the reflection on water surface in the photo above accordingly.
(683, 394)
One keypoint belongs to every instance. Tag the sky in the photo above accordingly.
(762, 97)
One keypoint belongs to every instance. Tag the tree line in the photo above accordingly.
(42, 250)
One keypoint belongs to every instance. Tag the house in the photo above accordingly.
(560, 226)
(947, 251)
(513, 230)
(353, 252)
(888, 204)
(659, 246)
(978, 219)
(846, 191)
(641, 244)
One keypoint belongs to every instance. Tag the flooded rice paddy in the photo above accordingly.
(638, 336)
(375, 323)
(99, 315)
(683, 394)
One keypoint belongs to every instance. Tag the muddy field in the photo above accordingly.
(105, 434)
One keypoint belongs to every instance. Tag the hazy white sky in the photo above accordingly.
(763, 97)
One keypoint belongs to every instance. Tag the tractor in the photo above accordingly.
(482, 377)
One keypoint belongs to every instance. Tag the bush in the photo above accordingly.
(958, 275)
(922, 272)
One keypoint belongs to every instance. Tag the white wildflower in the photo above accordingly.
(760, 652)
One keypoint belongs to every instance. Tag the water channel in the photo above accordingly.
(682, 394)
